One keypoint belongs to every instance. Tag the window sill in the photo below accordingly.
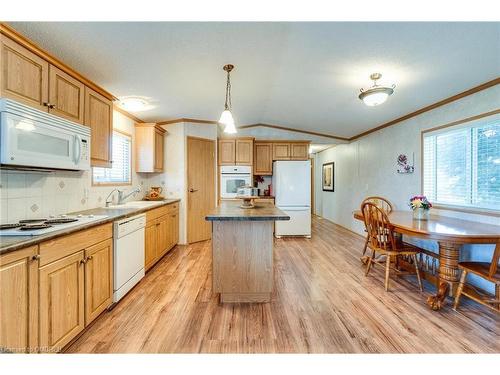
(470, 210)
(104, 184)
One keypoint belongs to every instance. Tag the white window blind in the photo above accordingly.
(121, 168)
(462, 164)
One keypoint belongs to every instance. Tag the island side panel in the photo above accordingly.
(242, 253)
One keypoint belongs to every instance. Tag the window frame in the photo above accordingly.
(97, 184)
(458, 124)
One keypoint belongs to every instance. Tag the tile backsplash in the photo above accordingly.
(26, 195)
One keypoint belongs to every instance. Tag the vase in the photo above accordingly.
(420, 214)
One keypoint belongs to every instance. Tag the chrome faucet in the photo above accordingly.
(121, 195)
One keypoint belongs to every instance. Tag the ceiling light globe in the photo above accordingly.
(376, 98)
(226, 118)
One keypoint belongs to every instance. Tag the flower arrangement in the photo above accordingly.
(420, 201)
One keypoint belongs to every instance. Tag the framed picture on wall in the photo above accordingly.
(328, 176)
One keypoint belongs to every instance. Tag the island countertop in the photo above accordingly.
(231, 211)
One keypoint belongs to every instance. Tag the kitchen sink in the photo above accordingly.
(134, 204)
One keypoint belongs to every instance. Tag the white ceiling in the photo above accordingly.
(299, 75)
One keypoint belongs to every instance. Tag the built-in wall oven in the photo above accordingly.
(30, 138)
(233, 177)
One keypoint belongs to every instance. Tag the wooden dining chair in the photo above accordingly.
(382, 241)
(382, 203)
(485, 270)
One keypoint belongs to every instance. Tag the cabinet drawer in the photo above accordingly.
(161, 211)
(60, 247)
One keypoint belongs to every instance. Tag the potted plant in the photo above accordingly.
(420, 206)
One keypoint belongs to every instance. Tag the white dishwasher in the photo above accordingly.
(128, 250)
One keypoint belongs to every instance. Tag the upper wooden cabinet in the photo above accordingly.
(244, 151)
(32, 76)
(281, 151)
(150, 147)
(24, 76)
(263, 159)
(227, 152)
(237, 151)
(66, 95)
(99, 117)
(19, 300)
(299, 151)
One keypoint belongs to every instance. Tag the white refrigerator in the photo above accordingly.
(292, 192)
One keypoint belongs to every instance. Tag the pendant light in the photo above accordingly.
(376, 94)
(226, 117)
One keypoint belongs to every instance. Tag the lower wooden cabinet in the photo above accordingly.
(162, 233)
(19, 300)
(98, 279)
(62, 301)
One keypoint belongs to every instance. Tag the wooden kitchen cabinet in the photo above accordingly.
(150, 255)
(99, 117)
(281, 151)
(244, 151)
(24, 76)
(150, 147)
(98, 279)
(236, 151)
(62, 301)
(66, 95)
(299, 151)
(263, 159)
(19, 300)
(227, 152)
(162, 233)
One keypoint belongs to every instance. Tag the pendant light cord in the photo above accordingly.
(228, 93)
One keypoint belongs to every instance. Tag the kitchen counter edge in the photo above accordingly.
(9, 243)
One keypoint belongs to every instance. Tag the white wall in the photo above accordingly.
(368, 167)
(26, 195)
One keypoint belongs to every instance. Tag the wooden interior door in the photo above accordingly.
(201, 187)
(98, 279)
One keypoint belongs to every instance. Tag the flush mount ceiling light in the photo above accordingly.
(376, 94)
(134, 104)
(226, 118)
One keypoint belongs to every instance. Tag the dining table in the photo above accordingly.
(450, 234)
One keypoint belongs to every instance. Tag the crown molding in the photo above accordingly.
(453, 98)
(293, 130)
(193, 120)
(129, 115)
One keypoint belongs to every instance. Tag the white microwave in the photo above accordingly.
(30, 138)
(233, 177)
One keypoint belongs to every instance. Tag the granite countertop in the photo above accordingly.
(231, 211)
(11, 243)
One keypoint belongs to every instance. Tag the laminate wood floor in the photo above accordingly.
(322, 303)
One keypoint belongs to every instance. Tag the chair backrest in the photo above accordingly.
(380, 202)
(378, 226)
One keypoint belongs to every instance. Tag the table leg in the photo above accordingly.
(448, 273)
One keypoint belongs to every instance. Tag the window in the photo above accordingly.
(462, 164)
(120, 173)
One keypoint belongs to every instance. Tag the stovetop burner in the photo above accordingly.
(35, 226)
(29, 221)
(60, 221)
(11, 226)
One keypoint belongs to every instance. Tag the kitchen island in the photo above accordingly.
(242, 251)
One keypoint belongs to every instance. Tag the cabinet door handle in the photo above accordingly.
(45, 104)
(52, 106)
(83, 261)
(35, 257)
(88, 258)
